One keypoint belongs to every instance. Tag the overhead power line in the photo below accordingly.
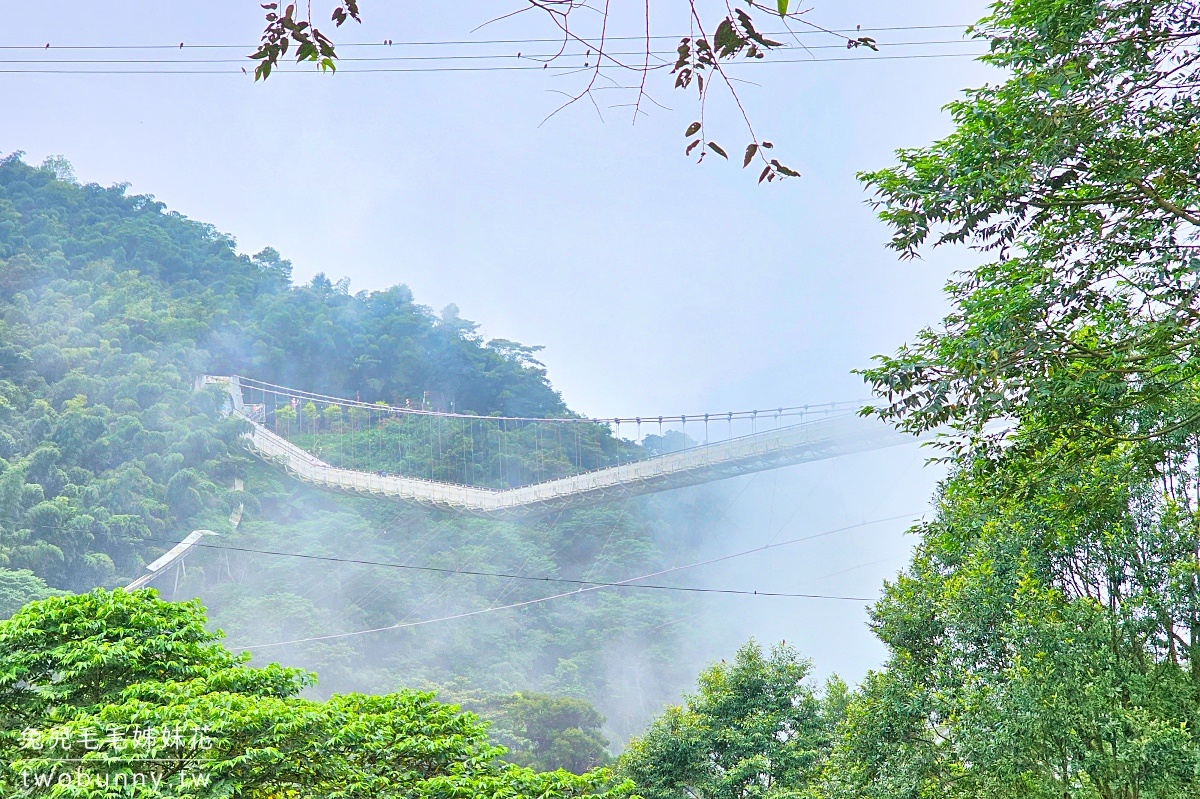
(515, 68)
(510, 576)
(550, 58)
(560, 62)
(601, 585)
(467, 42)
(454, 57)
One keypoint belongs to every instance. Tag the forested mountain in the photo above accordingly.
(111, 305)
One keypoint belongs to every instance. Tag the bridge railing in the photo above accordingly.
(811, 439)
(487, 451)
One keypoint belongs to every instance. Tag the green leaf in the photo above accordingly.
(692, 129)
(783, 7)
(747, 23)
(716, 148)
(727, 41)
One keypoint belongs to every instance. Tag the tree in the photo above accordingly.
(20, 587)
(1037, 646)
(1045, 640)
(311, 415)
(1080, 173)
(541, 731)
(700, 63)
(333, 417)
(754, 728)
(286, 416)
(110, 689)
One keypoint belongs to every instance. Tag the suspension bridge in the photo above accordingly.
(503, 466)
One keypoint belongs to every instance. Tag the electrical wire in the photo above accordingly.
(389, 43)
(452, 57)
(506, 575)
(622, 583)
(514, 68)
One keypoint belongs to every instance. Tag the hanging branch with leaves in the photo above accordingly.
(701, 59)
(285, 29)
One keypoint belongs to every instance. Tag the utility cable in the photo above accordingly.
(514, 68)
(438, 43)
(529, 578)
(551, 57)
(619, 584)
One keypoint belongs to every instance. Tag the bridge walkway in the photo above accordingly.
(812, 440)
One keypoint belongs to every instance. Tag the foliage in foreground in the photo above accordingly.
(702, 57)
(541, 731)
(1045, 641)
(109, 689)
(753, 728)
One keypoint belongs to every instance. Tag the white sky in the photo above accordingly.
(657, 285)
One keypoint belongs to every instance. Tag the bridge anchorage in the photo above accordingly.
(511, 466)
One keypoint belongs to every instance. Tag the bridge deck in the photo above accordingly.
(772, 449)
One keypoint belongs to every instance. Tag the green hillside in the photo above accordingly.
(111, 305)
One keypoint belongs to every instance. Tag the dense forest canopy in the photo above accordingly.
(112, 306)
(1045, 640)
(148, 703)
(244, 313)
